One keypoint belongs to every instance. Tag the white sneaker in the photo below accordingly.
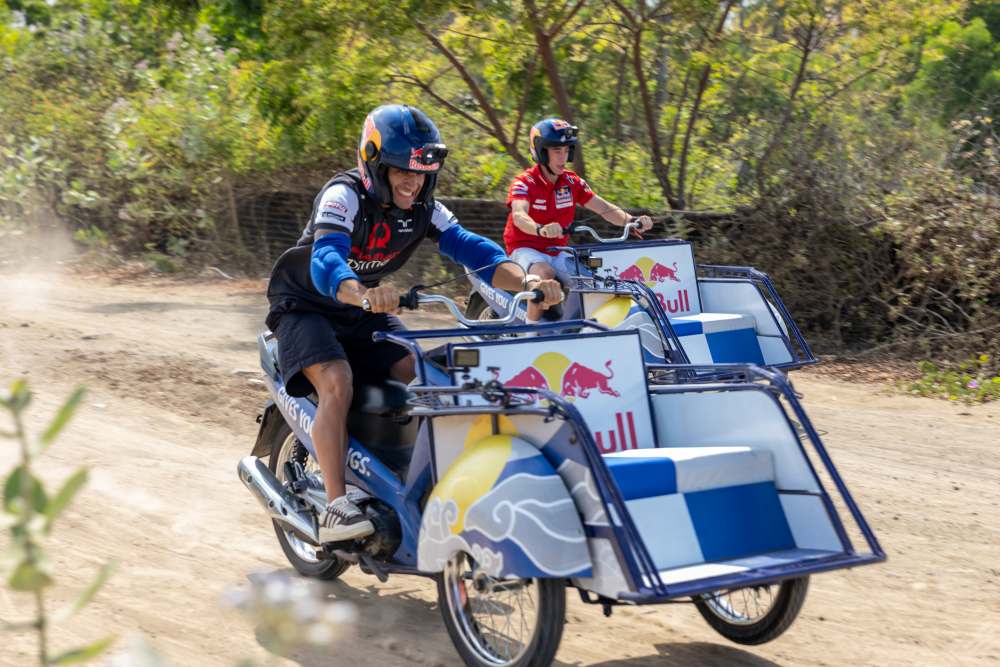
(342, 520)
(356, 495)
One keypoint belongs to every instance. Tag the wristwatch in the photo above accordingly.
(531, 277)
(538, 229)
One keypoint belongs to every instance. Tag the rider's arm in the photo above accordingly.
(482, 255)
(602, 207)
(329, 270)
(616, 215)
(522, 219)
(474, 252)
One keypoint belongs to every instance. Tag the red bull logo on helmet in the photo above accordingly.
(654, 274)
(417, 163)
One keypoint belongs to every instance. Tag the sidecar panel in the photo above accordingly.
(501, 501)
(743, 418)
(602, 374)
(707, 338)
(667, 268)
(728, 295)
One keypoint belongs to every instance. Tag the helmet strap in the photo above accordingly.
(544, 164)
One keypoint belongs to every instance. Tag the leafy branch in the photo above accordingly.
(31, 512)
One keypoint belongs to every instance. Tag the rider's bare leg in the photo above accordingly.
(333, 383)
(544, 271)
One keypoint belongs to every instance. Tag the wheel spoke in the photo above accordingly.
(742, 606)
(498, 622)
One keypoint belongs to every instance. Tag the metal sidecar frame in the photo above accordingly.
(566, 442)
(743, 290)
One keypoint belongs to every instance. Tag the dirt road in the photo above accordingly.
(170, 409)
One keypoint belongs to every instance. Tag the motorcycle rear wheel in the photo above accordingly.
(501, 622)
(756, 614)
(302, 555)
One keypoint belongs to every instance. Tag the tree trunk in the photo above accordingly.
(544, 42)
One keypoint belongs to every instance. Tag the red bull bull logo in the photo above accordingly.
(580, 380)
(529, 378)
(659, 273)
(554, 372)
(654, 274)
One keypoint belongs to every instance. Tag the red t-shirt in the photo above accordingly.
(547, 202)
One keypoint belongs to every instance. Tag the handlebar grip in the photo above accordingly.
(410, 300)
(538, 297)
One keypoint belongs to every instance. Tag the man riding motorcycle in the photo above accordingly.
(542, 202)
(324, 294)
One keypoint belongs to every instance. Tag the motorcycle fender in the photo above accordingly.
(269, 419)
(503, 504)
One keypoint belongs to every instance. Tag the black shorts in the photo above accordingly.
(308, 337)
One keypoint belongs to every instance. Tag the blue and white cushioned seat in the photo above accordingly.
(718, 338)
(695, 505)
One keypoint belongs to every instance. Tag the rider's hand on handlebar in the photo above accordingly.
(550, 288)
(645, 224)
(382, 299)
(553, 230)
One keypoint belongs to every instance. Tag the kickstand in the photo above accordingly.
(370, 564)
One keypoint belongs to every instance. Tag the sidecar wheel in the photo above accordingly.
(756, 614)
(501, 622)
(299, 553)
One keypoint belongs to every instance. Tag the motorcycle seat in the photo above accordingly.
(387, 398)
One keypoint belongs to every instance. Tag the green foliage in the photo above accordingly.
(969, 382)
(854, 140)
(30, 513)
(960, 70)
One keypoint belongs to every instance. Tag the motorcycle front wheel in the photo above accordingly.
(501, 622)
(303, 556)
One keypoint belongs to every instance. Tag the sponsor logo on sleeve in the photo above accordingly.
(519, 188)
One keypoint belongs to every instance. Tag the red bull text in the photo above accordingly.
(616, 441)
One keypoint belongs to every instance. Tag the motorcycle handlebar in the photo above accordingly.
(629, 226)
(409, 301)
(412, 300)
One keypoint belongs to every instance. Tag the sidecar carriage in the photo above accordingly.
(687, 313)
(525, 465)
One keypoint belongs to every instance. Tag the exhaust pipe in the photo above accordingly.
(277, 502)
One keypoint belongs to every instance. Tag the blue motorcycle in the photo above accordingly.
(515, 467)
